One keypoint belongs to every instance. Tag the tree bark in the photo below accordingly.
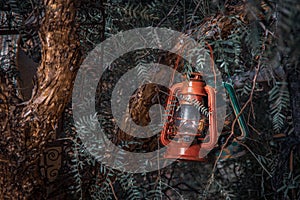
(294, 87)
(27, 127)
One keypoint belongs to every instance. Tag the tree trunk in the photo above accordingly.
(27, 127)
(294, 86)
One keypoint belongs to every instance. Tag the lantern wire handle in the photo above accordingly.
(237, 109)
(233, 100)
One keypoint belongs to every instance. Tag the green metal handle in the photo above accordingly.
(237, 109)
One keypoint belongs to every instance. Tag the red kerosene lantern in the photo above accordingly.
(191, 120)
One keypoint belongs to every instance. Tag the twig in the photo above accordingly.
(255, 157)
(4, 161)
(194, 12)
(254, 129)
(212, 63)
(113, 190)
(261, 24)
(172, 188)
(170, 12)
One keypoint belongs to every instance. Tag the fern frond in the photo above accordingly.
(129, 186)
(143, 72)
(279, 100)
